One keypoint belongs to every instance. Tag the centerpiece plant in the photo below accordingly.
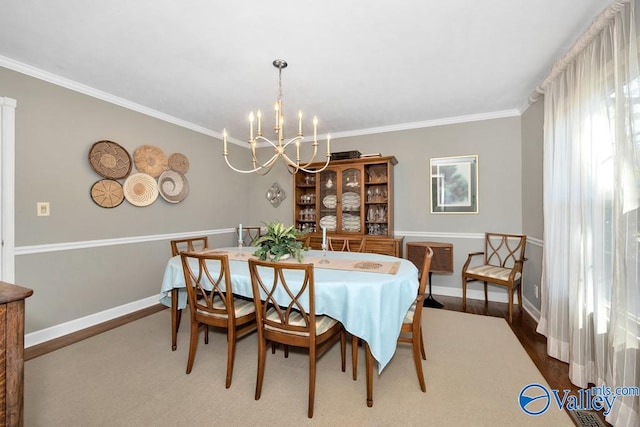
(279, 243)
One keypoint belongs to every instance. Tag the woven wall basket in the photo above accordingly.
(110, 160)
(173, 186)
(150, 159)
(107, 193)
(140, 189)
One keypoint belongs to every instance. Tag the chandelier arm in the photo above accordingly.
(270, 162)
(297, 138)
(315, 151)
(267, 165)
(262, 138)
(297, 167)
(304, 169)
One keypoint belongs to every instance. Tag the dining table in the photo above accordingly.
(368, 293)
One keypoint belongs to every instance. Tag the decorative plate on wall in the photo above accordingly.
(110, 160)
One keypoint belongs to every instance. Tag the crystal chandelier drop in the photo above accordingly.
(279, 146)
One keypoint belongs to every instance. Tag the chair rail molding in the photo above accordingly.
(86, 244)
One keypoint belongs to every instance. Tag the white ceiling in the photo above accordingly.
(359, 65)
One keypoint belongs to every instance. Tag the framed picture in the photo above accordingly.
(454, 184)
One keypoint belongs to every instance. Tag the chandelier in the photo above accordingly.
(279, 146)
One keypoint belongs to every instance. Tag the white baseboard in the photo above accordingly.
(76, 325)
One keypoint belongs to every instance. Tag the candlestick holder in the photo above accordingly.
(324, 259)
(240, 249)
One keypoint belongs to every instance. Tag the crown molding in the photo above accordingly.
(104, 96)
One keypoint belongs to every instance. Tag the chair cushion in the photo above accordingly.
(323, 323)
(242, 308)
(492, 271)
(408, 318)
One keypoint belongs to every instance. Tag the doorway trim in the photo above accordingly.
(7, 188)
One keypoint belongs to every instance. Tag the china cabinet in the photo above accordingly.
(349, 197)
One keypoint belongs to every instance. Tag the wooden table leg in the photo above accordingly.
(369, 367)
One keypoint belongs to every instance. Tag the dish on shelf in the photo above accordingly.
(350, 222)
(350, 201)
(330, 201)
(328, 222)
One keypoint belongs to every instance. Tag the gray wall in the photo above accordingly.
(55, 127)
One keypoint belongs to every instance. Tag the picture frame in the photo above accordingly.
(454, 185)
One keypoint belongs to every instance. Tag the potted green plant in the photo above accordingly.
(279, 243)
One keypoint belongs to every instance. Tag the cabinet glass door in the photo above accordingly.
(328, 187)
(351, 203)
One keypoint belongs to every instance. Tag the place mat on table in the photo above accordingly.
(384, 267)
(369, 266)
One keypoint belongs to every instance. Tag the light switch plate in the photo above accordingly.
(43, 208)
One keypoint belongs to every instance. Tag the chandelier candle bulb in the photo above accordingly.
(259, 114)
(224, 141)
(315, 129)
(328, 145)
(251, 118)
(299, 123)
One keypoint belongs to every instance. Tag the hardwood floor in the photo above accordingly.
(524, 327)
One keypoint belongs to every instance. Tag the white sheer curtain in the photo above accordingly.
(591, 281)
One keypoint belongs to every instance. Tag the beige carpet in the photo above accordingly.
(129, 376)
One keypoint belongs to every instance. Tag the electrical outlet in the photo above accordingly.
(43, 208)
(537, 291)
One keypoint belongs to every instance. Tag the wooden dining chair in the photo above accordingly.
(249, 234)
(212, 303)
(346, 244)
(183, 245)
(411, 331)
(500, 264)
(349, 244)
(284, 296)
(189, 245)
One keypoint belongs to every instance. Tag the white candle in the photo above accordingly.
(251, 118)
(315, 128)
(299, 122)
(259, 123)
(324, 236)
(240, 232)
(224, 140)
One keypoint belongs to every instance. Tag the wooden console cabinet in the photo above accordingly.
(12, 353)
(351, 198)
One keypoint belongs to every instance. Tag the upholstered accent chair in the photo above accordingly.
(500, 264)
